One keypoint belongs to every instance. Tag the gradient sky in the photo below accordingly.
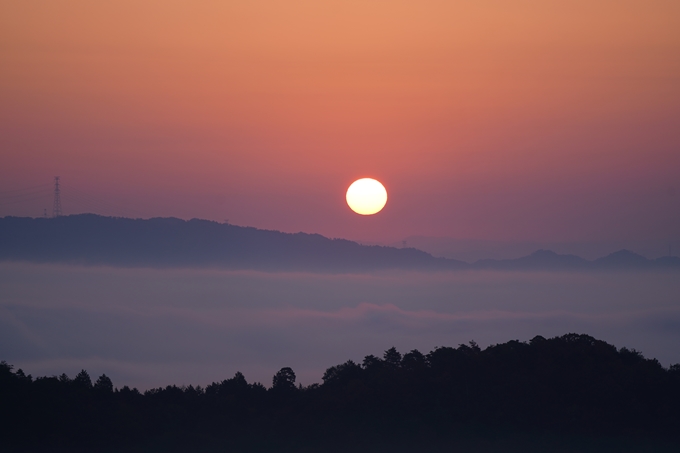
(499, 120)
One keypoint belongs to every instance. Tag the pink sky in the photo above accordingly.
(495, 120)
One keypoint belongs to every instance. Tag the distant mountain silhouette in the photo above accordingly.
(540, 259)
(623, 259)
(170, 242)
(548, 260)
(667, 261)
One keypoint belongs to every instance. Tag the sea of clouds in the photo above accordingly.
(149, 327)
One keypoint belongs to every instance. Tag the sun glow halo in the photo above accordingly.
(366, 196)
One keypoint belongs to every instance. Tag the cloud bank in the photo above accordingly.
(146, 327)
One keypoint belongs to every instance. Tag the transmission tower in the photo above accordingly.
(56, 208)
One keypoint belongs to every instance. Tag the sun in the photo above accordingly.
(366, 196)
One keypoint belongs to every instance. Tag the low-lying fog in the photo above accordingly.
(146, 327)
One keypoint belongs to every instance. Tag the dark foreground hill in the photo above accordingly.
(170, 242)
(569, 393)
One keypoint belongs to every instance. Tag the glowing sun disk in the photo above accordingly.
(366, 196)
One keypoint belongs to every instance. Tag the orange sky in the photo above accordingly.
(484, 119)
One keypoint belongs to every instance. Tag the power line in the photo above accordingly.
(99, 204)
(42, 197)
(2, 192)
(20, 195)
(25, 195)
(79, 203)
(76, 200)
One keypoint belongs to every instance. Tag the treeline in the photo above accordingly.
(568, 387)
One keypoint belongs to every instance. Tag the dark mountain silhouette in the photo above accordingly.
(568, 393)
(171, 242)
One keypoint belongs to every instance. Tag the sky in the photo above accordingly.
(150, 327)
(485, 120)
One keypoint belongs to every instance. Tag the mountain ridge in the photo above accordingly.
(170, 242)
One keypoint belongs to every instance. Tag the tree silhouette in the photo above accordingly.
(371, 362)
(82, 380)
(414, 360)
(568, 387)
(344, 372)
(392, 357)
(284, 379)
(104, 384)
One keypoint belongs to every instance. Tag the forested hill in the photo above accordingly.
(564, 394)
(170, 242)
